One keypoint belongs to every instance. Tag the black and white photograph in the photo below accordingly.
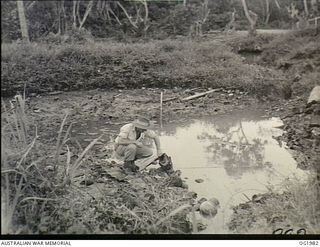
(160, 119)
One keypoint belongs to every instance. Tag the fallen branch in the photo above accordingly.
(200, 94)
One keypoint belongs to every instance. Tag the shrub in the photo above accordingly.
(295, 208)
(168, 63)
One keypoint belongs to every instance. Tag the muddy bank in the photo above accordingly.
(107, 200)
(104, 188)
(101, 188)
(296, 55)
(294, 210)
(97, 112)
(111, 109)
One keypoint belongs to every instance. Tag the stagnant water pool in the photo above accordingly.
(236, 156)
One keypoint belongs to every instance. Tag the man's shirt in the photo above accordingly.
(128, 131)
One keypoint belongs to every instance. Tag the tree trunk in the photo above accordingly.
(277, 4)
(23, 21)
(314, 5)
(246, 11)
(145, 18)
(113, 14)
(64, 17)
(252, 19)
(267, 12)
(230, 26)
(88, 9)
(306, 7)
(127, 15)
(74, 16)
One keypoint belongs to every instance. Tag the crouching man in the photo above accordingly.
(135, 141)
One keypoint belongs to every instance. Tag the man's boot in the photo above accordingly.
(130, 166)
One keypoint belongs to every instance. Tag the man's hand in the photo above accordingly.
(138, 144)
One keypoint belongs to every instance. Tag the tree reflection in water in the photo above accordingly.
(231, 147)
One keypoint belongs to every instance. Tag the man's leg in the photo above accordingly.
(143, 152)
(129, 153)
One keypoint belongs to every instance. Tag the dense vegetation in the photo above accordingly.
(155, 19)
(110, 65)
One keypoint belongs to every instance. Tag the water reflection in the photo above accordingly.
(231, 147)
(236, 156)
(236, 143)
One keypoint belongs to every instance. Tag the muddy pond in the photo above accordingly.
(230, 157)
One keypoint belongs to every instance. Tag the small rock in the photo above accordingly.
(101, 180)
(258, 198)
(191, 194)
(314, 95)
(87, 182)
(175, 181)
(230, 94)
(208, 210)
(117, 174)
(199, 202)
(201, 226)
(184, 185)
(315, 131)
(214, 201)
(297, 78)
(199, 180)
(203, 199)
(49, 168)
(315, 121)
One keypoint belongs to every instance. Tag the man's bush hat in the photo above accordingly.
(142, 123)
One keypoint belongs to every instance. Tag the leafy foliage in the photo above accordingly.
(106, 19)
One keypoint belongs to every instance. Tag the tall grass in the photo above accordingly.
(16, 144)
(26, 190)
(305, 203)
(297, 207)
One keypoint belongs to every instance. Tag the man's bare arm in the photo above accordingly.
(158, 146)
